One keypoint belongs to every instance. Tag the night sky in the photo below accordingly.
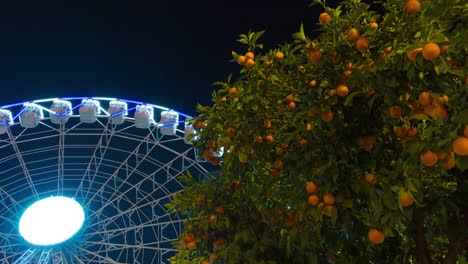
(163, 52)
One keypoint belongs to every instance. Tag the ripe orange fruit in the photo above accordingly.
(425, 98)
(465, 131)
(430, 51)
(275, 173)
(289, 98)
(315, 56)
(200, 124)
(353, 34)
(279, 55)
(278, 164)
(373, 25)
(401, 131)
(241, 59)
(267, 123)
(324, 18)
(448, 163)
(314, 200)
(205, 262)
(270, 139)
(362, 44)
(370, 178)
(441, 154)
(412, 132)
(312, 83)
(303, 142)
(199, 200)
(328, 210)
(230, 131)
(412, 7)
(191, 245)
(259, 140)
(188, 237)
(439, 112)
(219, 210)
(412, 53)
(213, 218)
(395, 111)
(460, 146)
(292, 105)
(249, 63)
(376, 236)
(327, 116)
(406, 199)
(218, 242)
(233, 91)
(249, 55)
(342, 90)
(329, 199)
(308, 127)
(428, 158)
(267, 63)
(311, 187)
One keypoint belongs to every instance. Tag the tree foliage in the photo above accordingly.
(350, 147)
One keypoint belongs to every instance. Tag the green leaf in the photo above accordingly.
(389, 199)
(415, 147)
(350, 97)
(461, 162)
(420, 117)
(461, 117)
(300, 35)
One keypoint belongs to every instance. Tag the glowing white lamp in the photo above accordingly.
(51, 221)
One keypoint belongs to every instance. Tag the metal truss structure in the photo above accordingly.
(119, 159)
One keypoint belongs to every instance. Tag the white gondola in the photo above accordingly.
(144, 116)
(31, 115)
(89, 110)
(6, 120)
(61, 111)
(188, 132)
(168, 123)
(117, 112)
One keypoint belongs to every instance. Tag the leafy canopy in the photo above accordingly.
(348, 147)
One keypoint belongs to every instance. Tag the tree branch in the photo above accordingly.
(421, 243)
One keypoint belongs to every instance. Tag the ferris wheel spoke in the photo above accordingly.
(97, 152)
(19, 155)
(112, 219)
(168, 164)
(100, 257)
(150, 246)
(111, 201)
(148, 224)
(5, 195)
(60, 163)
(132, 153)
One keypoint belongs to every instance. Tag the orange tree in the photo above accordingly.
(346, 148)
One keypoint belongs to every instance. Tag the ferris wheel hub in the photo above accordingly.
(51, 221)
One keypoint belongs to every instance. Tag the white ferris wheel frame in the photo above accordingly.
(120, 173)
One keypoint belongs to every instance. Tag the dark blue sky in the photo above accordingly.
(163, 52)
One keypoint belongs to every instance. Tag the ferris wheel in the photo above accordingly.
(86, 180)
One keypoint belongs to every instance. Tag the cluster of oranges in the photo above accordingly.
(247, 59)
(188, 240)
(328, 199)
